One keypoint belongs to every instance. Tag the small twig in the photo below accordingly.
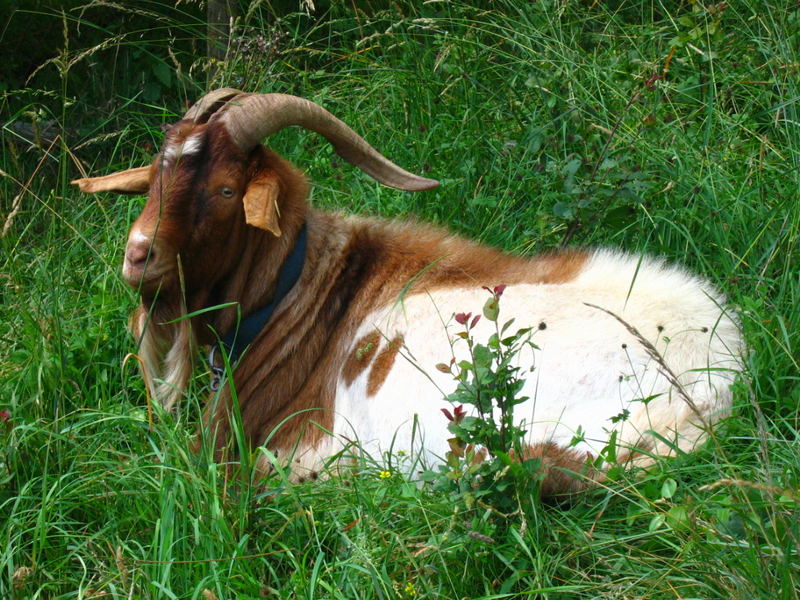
(575, 224)
(743, 483)
(494, 511)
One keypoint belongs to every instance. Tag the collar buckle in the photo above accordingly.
(218, 371)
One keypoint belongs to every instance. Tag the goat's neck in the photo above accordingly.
(250, 285)
(293, 362)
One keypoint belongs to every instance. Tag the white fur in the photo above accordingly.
(166, 357)
(582, 376)
(137, 236)
(191, 145)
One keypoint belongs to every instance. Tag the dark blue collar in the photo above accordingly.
(242, 335)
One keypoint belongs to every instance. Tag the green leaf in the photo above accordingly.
(572, 166)
(503, 457)
(509, 341)
(429, 476)
(493, 342)
(489, 201)
(608, 163)
(655, 523)
(408, 490)
(615, 473)
(668, 488)
(610, 450)
(200, 312)
(491, 309)
(482, 356)
(562, 210)
(677, 518)
(470, 423)
(506, 325)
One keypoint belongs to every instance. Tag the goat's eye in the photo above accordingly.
(227, 192)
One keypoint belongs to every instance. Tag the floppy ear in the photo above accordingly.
(132, 181)
(261, 202)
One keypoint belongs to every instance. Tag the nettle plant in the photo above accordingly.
(485, 463)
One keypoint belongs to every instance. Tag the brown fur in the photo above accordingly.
(383, 364)
(361, 356)
(564, 470)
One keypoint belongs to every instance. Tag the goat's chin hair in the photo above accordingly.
(166, 353)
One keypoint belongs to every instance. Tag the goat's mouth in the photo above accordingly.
(145, 277)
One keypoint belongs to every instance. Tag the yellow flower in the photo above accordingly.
(384, 474)
(410, 590)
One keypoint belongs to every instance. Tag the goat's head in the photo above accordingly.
(212, 178)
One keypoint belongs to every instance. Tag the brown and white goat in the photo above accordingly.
(352, 344)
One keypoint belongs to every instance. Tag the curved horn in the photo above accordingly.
(252, 117)
(206, 106)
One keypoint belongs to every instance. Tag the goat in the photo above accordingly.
(336, 306)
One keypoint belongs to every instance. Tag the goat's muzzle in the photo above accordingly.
(144, 264)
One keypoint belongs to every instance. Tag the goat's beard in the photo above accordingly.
(166, 350)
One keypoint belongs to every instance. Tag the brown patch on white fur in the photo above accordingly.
(564, 470)
(383, 364)
(360, 357)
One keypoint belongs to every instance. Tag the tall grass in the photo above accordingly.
(666, 127)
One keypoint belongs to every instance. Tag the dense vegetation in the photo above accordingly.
(664, 126)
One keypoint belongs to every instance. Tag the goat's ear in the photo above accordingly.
(261, 202)
(132, 181)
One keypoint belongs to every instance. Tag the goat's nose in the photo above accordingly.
(138, 252)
